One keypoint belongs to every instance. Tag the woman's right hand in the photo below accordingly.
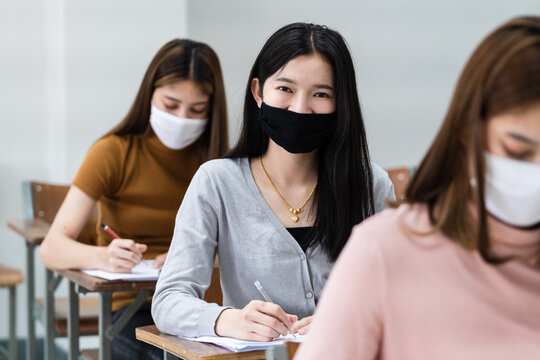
(257, 321)
(122, 255)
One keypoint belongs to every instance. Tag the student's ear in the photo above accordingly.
(256, 91)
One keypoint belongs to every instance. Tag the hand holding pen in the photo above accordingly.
(122, 254)
(257, 321)
(299, 326)
(267, 298)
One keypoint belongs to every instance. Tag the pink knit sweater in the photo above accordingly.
(395, 295)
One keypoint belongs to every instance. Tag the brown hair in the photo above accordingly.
(502, 73)
(182, 59)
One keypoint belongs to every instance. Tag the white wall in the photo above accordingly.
(407, 54)
(69, 71)
(22, 144)
(110, 44)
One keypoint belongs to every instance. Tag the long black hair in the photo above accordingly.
(344, 195)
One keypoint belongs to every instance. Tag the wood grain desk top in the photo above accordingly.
(93, 283)
(191, 350)
(9, 276)
(33, 230)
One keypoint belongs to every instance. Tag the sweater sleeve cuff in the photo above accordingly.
(208, 320)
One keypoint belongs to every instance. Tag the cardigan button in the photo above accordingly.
(309, 295)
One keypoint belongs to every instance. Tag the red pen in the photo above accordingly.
(110, 231)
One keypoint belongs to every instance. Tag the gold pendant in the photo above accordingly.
(294, 212)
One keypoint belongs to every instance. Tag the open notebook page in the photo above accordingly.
(237, 345)
(144, 271)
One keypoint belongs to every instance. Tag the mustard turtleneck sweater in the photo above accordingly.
(139, 185)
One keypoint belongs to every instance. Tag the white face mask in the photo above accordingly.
(512, 192)
(175, 132)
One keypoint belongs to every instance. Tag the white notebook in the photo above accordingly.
(144, 271)
(237, 345)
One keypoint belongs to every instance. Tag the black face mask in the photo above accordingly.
(296, 133)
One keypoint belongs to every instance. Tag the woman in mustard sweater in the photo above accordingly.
(138, 172)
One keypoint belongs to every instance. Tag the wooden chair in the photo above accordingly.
(42, 201)
(282, 352)
(400, 177)
(45, 200)
(10, 278)
(213, 294)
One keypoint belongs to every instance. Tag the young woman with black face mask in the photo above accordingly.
(280, 208)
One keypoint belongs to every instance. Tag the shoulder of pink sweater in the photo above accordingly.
(393, 229)
(413, 216)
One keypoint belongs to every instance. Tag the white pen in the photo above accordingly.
(267, 298)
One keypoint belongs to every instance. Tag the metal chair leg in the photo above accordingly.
(12, 324)
(49, 317)
(105, 320)
(73, 322)
(31, 321)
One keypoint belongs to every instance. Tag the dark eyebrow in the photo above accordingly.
(172, 99)
(284, 79)
(323, 86)
(522, 138)
(179, 101)
(199, 103)
(318, 86)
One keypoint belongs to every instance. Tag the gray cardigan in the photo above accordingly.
(224, 211)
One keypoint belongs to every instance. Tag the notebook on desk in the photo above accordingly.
(237, 345)
(144, 271)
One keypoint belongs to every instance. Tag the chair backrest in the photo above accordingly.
(44, 200)
(282, 352)
(400, 177)
(213, 294)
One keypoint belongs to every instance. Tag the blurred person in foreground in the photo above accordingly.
(453, 272)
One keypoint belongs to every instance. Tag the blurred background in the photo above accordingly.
(69, 71)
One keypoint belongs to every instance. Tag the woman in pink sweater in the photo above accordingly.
(454, 273)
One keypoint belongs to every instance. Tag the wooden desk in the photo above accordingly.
(80, 282)
(32, 230)
(191, 350)
(95, 284)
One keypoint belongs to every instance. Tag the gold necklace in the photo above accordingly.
(293, 211)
